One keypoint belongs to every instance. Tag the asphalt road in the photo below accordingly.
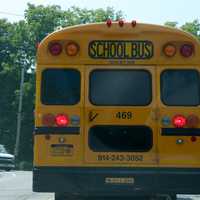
(17, 185)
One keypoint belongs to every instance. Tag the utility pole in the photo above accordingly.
(19, 115)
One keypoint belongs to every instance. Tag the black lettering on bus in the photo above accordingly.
(134, 50)
(112, 50)
(120, 50)
(148, 50)
(106, 49)
(92, 49)
(100, 49)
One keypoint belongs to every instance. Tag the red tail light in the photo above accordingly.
(179, 121)
(48, 119)
(55, 48)
(186, 50)
(62, 120)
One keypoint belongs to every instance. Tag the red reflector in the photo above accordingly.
(109, 22)
(192, 121)
(186, 50)
(62, 120)
(179, 121)
(193, 139)
(55, 48)
(48, 120)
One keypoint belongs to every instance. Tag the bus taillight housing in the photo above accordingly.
(192, 121)
(61, 120)
(169, 50)
(72, 48)
(55, 48)
(186, 50)
(48, 120)
(179, 121)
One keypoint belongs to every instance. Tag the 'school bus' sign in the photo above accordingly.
(120, 49)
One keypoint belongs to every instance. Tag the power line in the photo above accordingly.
(12, 14)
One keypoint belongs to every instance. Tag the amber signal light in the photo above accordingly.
(72, 49)
(169, 50)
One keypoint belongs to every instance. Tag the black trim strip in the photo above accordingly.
(180, 131)
(57, 130)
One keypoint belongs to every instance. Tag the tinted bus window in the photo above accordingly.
(60, 87)
(120, 87)
(180, 87)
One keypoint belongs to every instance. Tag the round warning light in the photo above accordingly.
(179, 121)
(55, 48)
(62, 120)
(169, 50)
(72, 49)
(186, 50)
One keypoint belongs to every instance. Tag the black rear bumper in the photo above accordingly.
(116, 181)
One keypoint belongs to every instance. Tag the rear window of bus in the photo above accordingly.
(180, 87)
(60, 87)
(120, 87)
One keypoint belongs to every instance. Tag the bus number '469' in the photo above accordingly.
(124, 115)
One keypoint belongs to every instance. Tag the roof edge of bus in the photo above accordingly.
(115, 23)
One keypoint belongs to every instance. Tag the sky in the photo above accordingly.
(146, 11)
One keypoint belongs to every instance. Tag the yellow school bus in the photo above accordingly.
(117, 112)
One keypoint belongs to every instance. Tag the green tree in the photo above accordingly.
(192, 27)
(18, 49)
(171, 24)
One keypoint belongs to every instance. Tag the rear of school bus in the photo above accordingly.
(117, 111)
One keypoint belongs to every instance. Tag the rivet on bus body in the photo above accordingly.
(179, 141)
(61, 139)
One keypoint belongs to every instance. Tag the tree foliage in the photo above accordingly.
(171, 24)
(18, 49)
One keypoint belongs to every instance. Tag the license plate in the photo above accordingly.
(61, 149)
